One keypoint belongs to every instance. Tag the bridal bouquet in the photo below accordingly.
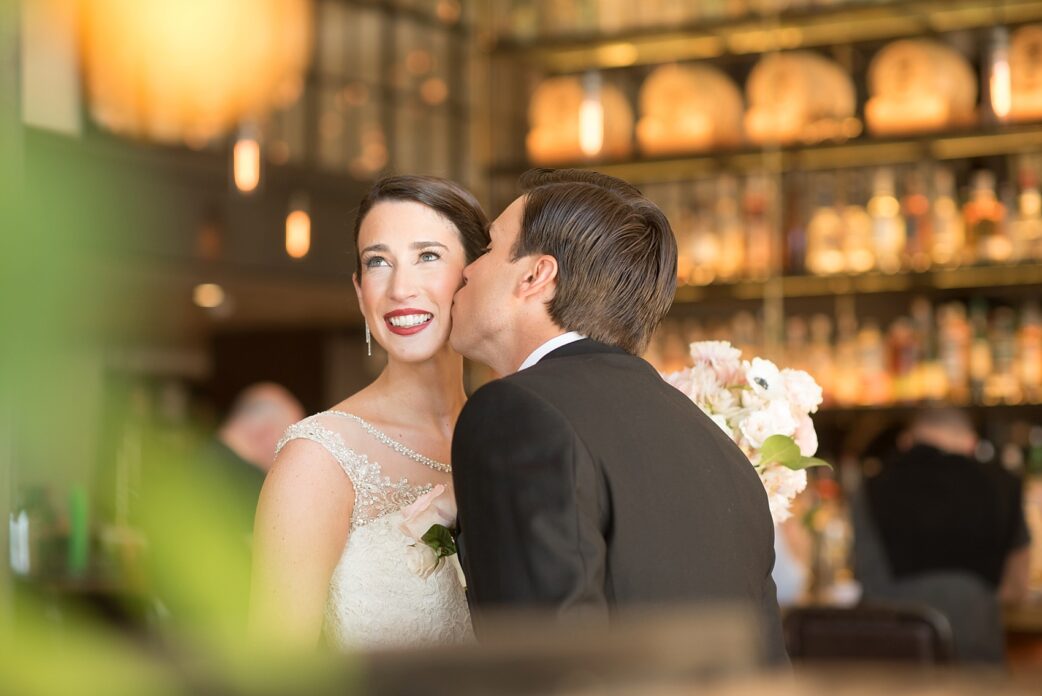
(428, 522)
(765, 410)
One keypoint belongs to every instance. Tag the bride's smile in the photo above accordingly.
(406, 322)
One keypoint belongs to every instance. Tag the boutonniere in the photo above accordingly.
(429, 522)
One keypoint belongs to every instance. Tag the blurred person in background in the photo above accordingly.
(243, 448)
(335, 545)
(938, 526)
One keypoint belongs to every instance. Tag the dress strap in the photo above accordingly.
(394, 444)
(350, 461)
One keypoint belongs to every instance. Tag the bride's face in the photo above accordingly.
(412, 263)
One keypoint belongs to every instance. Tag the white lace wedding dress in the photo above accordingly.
(375, 600)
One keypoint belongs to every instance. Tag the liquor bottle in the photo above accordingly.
(876, 383)
(1027, 228)
(797, 214)
(986, 221)
(858, 248)
(915, 205)
(1001, 384)
(847, 373)
(825, 232)
(888, 225)
(796, 346)
(931, 380)
(948, 243)
(902, 360)
(821, 355)
(954, 349)
(758, 211)
(980, 350)
(523, 20)
(729, 229)
(1029, 352)
(670, 199)
(704, 246)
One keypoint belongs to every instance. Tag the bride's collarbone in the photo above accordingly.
(389, 441)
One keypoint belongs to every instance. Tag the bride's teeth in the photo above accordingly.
(410, 320)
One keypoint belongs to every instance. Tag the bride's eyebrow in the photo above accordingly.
(424, 245)
(374, 247)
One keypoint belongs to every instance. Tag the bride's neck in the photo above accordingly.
(426, 392)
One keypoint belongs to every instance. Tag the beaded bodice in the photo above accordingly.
(376, 495)
(375, 600)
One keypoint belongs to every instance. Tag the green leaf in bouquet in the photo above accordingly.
(780, 449)
(810, 462)
(439, 538)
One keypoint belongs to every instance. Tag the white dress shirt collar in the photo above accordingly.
(551, 345)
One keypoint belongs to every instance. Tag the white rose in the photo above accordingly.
(806, 437)
(721, 423)
(776, 419)
(704, 385)
(753, 401)
(723, 402)
(764, 378)
(782, 485)
(782, 480)
(422, 560)
(681, 379)
(779, 506)
(801, 390)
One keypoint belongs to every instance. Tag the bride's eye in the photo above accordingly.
(429, 256)
(375, 261)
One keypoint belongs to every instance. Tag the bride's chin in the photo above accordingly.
(421, 355)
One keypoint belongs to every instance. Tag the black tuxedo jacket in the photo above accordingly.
(586, 482)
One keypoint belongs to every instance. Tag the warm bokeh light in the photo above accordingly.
(176, 70)
(1000, 82)
(591, 117)
(298, 230)
(208, 295)
(246, 163)
(1001, 90)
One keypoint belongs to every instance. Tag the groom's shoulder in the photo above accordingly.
(513, 388)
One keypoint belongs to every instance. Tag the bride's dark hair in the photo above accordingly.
(447, 198)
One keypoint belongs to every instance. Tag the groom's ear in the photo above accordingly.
(540, 277)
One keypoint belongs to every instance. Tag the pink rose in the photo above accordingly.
(806, 437)
(433, 507)
(724, 359)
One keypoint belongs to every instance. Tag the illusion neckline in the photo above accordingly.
(395, 445)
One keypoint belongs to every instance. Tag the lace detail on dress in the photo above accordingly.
(376, 495)
(375, 601)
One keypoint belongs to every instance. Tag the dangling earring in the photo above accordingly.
(368, 341)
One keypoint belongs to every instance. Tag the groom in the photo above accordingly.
(584, 481)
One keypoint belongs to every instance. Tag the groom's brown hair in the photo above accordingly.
(616, 254)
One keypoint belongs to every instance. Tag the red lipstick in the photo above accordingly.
(407, 330)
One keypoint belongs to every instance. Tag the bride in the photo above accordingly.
(329, 556)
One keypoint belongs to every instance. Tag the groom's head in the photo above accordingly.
(579, 251)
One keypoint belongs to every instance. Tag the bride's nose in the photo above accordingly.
(403, 284)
